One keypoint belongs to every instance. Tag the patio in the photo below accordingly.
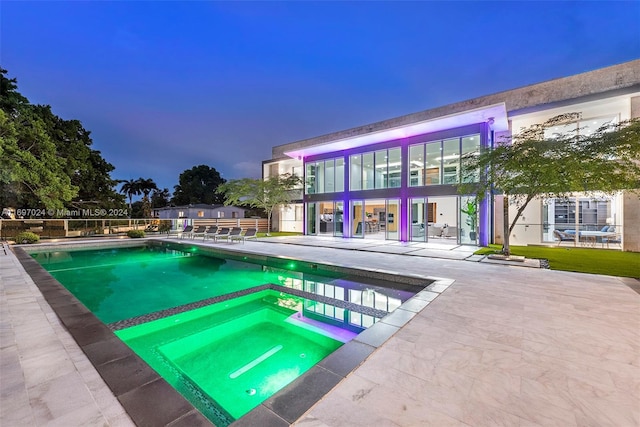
(503, 345)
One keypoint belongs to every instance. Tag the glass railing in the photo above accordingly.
(584, 235)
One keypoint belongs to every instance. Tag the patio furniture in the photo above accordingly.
(198, 231)
(210, 233)
(235, 232)
(615, 239)
(563, 236)
(251, 233)
(180, 233)
(222, 233)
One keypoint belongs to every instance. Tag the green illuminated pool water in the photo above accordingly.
(238, 352)
(118, 284)
(228, 357)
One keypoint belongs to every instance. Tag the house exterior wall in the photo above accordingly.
(531, 228)
(286, 218)
(608, 92)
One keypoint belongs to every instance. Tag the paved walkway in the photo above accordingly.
(504, 345)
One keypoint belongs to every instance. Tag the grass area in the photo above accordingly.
(595, 261)
(279, 234)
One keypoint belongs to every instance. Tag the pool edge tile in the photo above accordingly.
(305, 391)
(166, 407)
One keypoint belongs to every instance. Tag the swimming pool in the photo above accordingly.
(181, 310)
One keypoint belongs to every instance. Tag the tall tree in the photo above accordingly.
(130, 188)
(198, 185)
(31, 175)
(160, 198)
(86, 168)
(47, 161)
(146, 186)
(532, 165)
(266, 194)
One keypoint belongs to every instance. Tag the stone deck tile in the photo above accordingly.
(45, 377)
(504, 345)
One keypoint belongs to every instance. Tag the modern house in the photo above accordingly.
(199, 211)
(397, 179)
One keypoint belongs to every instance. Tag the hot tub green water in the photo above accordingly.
(237, 353)
(226, 357)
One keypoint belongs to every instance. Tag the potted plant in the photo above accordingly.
(471, 210)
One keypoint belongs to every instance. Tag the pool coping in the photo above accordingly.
(138, 387)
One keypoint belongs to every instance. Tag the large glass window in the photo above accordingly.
(357, 218)
(395, 167)
(310, 178)
(355, 172)
(339, 174)
(367, 171)
(582, 127)
(470, 148)
(450, 160)
(329, 180)
(381, 169)
(320, 177)
(433, 163)
(419, 220)
(416, 165)
(324, 176)
(442, 161)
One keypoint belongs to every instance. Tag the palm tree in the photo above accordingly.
(146, 186)
(130, 188)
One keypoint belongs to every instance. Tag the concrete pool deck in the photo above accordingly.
(504, 345)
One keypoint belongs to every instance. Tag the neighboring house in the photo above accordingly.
(199, 211)
(397, 179)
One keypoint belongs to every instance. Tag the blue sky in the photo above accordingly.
(164, 86)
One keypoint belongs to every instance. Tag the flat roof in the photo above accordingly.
(495, 115)
(603, 82)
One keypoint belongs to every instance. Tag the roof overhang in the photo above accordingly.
(495, 115)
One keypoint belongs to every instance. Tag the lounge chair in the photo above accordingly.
(180, 233)
(614, 240)
(210, 233)
(235, 232)
(251, 233)
(222, 233)
(563, 236)
(199, 231)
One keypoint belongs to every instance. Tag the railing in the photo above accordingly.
(587, 235)
(68, 228)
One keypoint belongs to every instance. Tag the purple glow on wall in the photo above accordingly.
(497, 112)
(483, 212)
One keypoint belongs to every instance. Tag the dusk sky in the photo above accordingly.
(165, 86)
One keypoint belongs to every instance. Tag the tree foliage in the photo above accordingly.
(146, 186)
(532, 165)
(47, 161)
(130, 188)
(266, 194)
(198, 185)
(160, 198)
(31, 175)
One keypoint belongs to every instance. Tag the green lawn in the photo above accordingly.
(596, 261)
(278, 234)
